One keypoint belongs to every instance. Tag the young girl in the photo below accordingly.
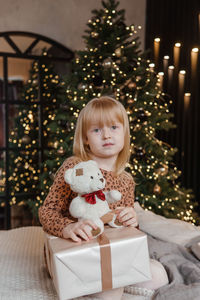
(102, 134)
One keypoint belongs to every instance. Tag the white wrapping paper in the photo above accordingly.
(76, 268)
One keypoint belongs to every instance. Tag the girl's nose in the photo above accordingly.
(106, 133)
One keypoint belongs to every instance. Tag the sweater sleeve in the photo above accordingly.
(130, 197)
(54, 213)
(130, 192)
(125, 184)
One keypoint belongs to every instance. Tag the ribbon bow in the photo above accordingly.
(90, 198)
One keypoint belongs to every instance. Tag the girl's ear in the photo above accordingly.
(68, 176)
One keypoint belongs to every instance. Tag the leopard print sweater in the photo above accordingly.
(54, 213)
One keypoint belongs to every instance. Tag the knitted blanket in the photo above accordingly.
(183, 269)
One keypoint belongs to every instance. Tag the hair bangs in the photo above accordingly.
(103, 114)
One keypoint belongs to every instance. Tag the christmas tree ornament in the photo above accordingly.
(118, 61)
(82, 86)
(94, 34)
(139, 152)
(137, 198)
(137, 126)
(51, 175)
(50, 144)
(69, 126)
(132, 85)
(124, 59)
(163, 170)
(61, 151)
(26, 139)
(55, 144)
(157, 189)
(107, 63)
(35, 82)
(118, 52)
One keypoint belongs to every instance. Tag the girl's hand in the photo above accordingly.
(79, 231)
(127, 216)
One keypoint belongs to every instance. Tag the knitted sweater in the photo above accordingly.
(54, 213)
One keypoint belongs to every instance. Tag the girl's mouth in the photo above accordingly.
(107, 144)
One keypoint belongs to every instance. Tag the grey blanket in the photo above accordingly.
(183, 269)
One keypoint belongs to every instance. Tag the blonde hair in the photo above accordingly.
(103, 110)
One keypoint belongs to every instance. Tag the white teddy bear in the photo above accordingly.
(91, 203)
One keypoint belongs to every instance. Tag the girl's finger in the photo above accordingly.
(131, 222)
(125, 217)
(82, 234)
(124, 212)
(87, 230)
(74, 237)
(92, 224)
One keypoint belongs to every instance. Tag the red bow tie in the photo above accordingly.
(90, 198)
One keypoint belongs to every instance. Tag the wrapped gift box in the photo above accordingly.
(115, 259)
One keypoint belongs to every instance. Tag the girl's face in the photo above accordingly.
(105, 141)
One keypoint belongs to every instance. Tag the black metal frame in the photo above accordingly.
(67, 57)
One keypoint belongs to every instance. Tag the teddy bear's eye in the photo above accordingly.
(91, 177)
(98, 174)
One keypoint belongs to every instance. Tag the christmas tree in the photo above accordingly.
(30, 135)
(113, 64)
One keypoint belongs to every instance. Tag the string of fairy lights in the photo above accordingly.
(24, 135)
(134, 87)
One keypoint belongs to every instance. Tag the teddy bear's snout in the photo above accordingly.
(101, 179)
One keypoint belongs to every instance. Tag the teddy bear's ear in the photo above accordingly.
(68, 176)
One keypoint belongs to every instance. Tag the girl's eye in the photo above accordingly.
(97, 130)
(114, 127)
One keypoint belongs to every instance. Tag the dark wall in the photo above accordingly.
(178, 21)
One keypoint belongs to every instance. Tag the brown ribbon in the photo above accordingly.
(106, 267)
(48, 258)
